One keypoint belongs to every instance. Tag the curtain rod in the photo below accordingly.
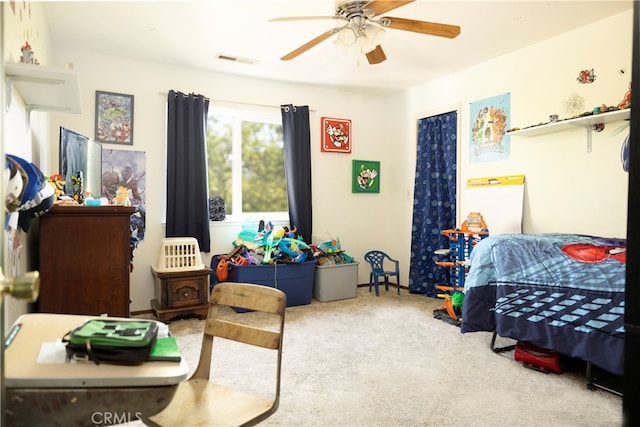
(164, 94)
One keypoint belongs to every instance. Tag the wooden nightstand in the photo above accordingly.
(181, 294)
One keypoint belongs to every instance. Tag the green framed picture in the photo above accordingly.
(365, 176)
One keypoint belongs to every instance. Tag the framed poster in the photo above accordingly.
(336, 135)
(365, 176)
(488, 129)
(114, 118)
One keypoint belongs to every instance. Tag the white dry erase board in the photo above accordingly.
(499, 199)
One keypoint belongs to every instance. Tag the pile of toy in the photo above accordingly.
(330, 252)
(267, 245)
(264, 245)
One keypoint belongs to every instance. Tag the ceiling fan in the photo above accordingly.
(362, 25)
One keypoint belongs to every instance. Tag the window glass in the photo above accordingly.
(246, 163)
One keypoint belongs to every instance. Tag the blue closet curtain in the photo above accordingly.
(296, 137)
(187, 188)
(434, 204)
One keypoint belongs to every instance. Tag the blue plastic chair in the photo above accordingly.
(378, 261)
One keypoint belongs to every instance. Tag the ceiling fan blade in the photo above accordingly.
(431, 28)
(376, 56)
(305, 47)
(303, 18)
(378, 7)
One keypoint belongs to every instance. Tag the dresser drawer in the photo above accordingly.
(185, 292)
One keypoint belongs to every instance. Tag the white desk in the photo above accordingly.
(77, 393)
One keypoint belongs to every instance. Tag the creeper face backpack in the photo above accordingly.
(121, 342)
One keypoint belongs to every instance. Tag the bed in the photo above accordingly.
(562, 292)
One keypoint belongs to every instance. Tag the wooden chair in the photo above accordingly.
(201, 402)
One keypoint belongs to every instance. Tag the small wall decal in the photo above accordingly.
(574, 105)
(586, 76)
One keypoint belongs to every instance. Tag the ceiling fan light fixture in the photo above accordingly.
(374, 34)
(347, 36)
(340, 44)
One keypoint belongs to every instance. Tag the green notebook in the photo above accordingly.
(165, 350)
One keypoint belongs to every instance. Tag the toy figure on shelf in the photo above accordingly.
(57, 183)
(626, 101)
(77, 182)
(122, 196)
(27, 54)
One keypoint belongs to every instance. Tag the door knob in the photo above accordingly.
(25, 286)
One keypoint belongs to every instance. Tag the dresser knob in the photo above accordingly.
(186, 294)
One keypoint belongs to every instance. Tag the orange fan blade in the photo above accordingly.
(305, 47)
(378, 7)
(376, 56)
(431, 28)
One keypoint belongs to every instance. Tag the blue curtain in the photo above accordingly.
(434, 204)
(187, 184)
(296, 136)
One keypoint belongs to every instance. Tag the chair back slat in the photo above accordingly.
(243, 333)
(261, 298)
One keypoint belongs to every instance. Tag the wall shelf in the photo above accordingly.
(43, 88)
(586, 122)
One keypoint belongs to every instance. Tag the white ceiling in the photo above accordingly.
(194, 33)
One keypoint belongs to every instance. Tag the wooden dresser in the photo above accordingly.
(84, 260)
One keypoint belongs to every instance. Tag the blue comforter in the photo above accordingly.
(563, 292)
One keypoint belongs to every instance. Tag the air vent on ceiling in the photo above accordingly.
(235, 59)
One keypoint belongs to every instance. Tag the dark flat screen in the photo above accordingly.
(79, 153)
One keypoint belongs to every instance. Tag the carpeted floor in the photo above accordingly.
(386, 361)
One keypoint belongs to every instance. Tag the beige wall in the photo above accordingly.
(567, 189)
(358, 220)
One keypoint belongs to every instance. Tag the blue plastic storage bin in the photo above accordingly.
(295, 280)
